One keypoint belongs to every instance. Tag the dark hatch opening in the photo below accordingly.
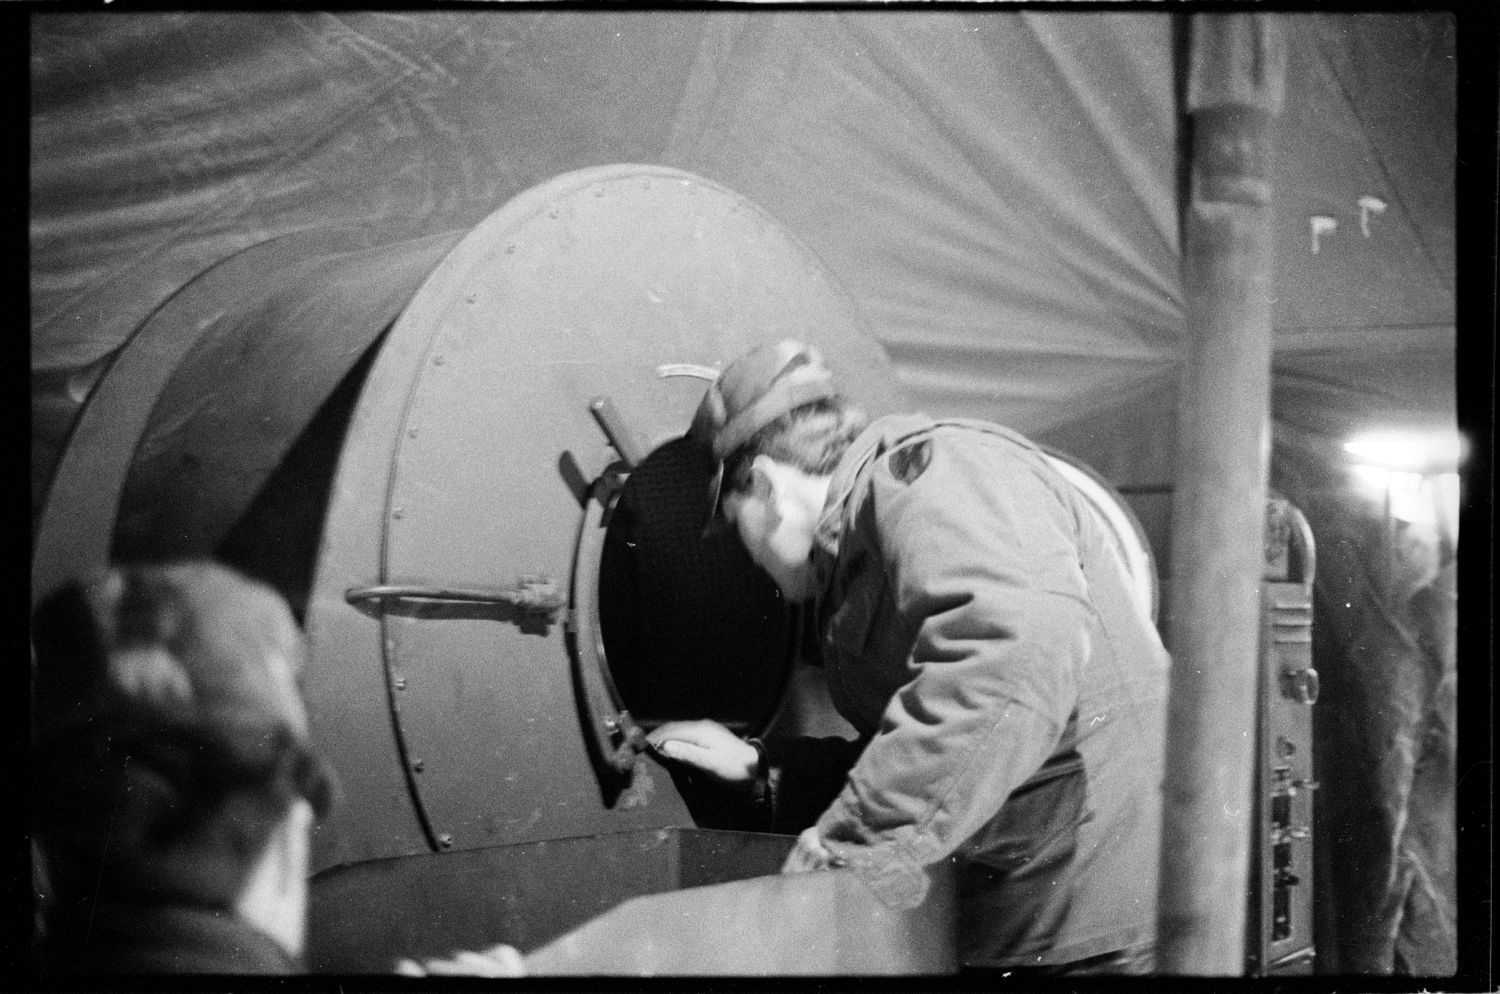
(691, 627)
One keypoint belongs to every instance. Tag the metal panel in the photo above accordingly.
(362, 917)
(668, 901)
(473, 446)
(808, 924)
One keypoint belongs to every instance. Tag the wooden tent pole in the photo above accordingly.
(1236, 73)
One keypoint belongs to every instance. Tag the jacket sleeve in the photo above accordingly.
(804, 775)
(982, 563)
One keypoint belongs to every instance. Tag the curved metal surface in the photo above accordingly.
(259, 370)
(76, 527)
(606, 737)
(1304, 548)
(473, 445)
(787, 924)
(524, 895)
(233, 367)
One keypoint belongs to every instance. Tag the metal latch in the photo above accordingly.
(533, 599)
(630, 742)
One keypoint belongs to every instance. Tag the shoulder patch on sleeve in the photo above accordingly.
(908, 462)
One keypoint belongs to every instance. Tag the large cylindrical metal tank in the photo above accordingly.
(459, 456)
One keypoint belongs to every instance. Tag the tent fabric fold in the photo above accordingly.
(998, 190)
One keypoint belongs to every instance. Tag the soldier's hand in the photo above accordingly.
(497, 961)
(811, 854)
(710, 747)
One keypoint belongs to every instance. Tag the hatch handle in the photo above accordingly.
(531, 595)
(617, 431)
(631, 742)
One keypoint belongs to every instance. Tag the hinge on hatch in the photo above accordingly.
(629, 741)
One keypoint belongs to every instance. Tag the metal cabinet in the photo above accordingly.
(1280, 918)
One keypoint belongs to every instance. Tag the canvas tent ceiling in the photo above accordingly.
(998, 188)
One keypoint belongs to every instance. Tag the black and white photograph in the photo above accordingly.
(907, 496)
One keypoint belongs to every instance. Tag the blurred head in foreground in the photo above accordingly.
(175, 786)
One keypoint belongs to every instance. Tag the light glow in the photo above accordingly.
(1408, 451)
(1415, 475)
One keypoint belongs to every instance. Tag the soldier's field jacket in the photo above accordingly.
(978, 630)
